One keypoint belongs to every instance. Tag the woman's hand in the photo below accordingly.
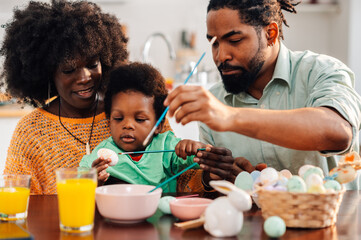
(217, 163)
(101, 165)
(187, 148)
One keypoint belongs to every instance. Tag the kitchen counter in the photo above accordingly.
(14, 110)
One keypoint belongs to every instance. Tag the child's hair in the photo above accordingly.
(139, 77)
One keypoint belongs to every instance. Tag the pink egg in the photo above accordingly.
(286, 173)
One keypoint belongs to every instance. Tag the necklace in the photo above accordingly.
(87, 144)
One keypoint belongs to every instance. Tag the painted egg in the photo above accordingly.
(332, 184)
(255, 174)
(268, 175)
(316, 189)
(282, 181)
(296, 184)
(303, 169)
(244, 181)
(315, 170)
(163, 204)
(286, 173)
(108, 154)
(313, 179)
(345, 173)
(274, 227)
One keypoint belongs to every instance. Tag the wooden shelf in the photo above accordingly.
(318, 8)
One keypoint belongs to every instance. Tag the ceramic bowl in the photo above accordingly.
(189, 208)
(127, 203)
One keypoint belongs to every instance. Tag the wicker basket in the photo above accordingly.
(301, 210)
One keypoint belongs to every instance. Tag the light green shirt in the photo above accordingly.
(300, 79)
(151, 169)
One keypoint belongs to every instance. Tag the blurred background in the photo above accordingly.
(171, 36)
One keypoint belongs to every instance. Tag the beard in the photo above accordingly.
(237, 83)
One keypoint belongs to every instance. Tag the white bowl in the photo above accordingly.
(127, 203)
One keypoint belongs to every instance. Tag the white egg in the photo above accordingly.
(268, 176)
(304, 169)
(108, 154)
(313, 179)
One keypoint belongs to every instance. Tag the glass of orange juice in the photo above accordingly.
(76, 198)
(14, 197)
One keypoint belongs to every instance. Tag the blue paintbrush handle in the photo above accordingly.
(166, 110)
(154, 151)
(173, 177)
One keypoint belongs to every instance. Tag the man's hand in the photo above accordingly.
(216, 162)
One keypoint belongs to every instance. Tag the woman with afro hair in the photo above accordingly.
(63, 50)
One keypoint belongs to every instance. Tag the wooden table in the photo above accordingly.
(43, 223)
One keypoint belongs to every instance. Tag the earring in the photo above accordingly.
(48, 100)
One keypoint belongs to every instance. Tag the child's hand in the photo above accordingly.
(101, 165)
(187, 148)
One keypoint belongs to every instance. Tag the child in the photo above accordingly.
(133, 104)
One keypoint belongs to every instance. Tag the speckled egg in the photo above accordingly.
(345, 173)
(296, 184)
(108, 154)
(268, 175)
(244, 181)
(274, 227)
(163, 204)
(303, 169)
(332, 184)
(315, 170)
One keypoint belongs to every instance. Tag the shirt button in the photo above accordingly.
(263, 106)
(278, 93)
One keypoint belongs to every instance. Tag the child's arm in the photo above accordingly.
(101, 165)
(187, 147)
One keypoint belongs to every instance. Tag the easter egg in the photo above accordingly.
(303, 169)
(316, 189)
(268, 175)
(244, 181)
(274, 227)
(163, 204)
(315, 170)
(296, 184)
(332, 184)
(282, 181)
(313, 179)
(345, 173)
(286, 173)
(108, 154)
(255, 174)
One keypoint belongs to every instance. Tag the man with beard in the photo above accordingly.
(273, 106)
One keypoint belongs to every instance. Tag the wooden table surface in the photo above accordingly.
(43, 224)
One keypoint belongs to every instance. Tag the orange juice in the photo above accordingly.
(13, 200)
(76, 199)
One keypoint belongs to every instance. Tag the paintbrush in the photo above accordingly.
(153, 151)
(173, 177)
(166, 110)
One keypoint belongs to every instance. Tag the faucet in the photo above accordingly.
(148, 42)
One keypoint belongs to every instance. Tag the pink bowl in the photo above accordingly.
(127, 203)
(189, 208)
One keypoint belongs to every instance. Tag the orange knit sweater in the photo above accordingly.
(40, 145)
